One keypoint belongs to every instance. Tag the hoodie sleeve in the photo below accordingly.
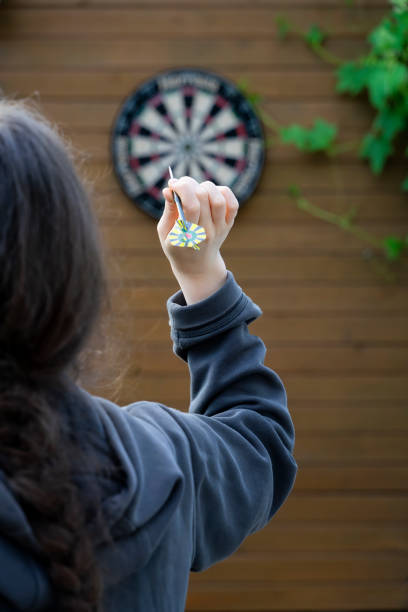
(241, 436)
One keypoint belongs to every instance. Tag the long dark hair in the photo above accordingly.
(51, 290)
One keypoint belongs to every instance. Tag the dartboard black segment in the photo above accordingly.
(195, 121)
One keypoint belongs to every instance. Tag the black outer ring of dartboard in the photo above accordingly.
(146, 206)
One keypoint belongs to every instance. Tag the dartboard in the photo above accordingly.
(195, 121)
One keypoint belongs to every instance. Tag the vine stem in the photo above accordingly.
(318, 48)
(269, 121)
(336, 149)
(342, 221)
(328, 57)
(343, 147)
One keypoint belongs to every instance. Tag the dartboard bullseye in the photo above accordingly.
(195, 121)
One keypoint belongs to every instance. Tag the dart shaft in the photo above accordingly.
(178, 202)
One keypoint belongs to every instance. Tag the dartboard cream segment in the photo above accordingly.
(196, 172)
(201, 107)
(174, 103)
(180, 169)
(228, 147)
(151, 173)
(151, 119)
(222, 173)
(225, 120)
(142, 146)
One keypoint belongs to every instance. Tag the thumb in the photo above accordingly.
(169, 216)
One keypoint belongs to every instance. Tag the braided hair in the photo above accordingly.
(51, 290)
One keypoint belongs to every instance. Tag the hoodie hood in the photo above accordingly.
(137, 502)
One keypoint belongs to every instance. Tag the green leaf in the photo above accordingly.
(319, 137)
(389, 122)
(322, 135)
(394, 247)
(315, 35)
(294, 191)
(400, 5)
(283, 26)
(295, 134)
(385, 80)
(352, 77)
(405, 185)
(376, 149)
(383, 38)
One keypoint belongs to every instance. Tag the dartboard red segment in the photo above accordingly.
(196, 121)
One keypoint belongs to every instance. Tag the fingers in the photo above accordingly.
(217, 203)
(206, 204)
(186, 189)
(205, 212)
(169, 216)
(232, 204)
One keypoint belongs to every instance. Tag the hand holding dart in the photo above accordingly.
(185, 233)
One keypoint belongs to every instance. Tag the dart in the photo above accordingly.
(185, 233)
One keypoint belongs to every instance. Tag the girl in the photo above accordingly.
(109, 508)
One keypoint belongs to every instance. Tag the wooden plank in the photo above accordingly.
(307, 596)
(293, 360)
(299, 387)
(286, 267)
(285, 331)
(181, 21)
(361, 387)
(245, 567)
(169, 52)
(78, 83)
(360, 449)
(291, 537)
(199, 4)
(343, 507)
(387, 300)
(311, 478)
(349, 415)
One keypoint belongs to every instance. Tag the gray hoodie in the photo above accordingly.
(193, 484)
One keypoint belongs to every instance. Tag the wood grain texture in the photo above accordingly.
(199, 4)
(335, 330)
(177, 21)
(314, 595)
(373, 297)
(97, 54)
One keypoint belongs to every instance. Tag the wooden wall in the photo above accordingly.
(335, 330)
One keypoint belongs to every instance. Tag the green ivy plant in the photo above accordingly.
(382, 74)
